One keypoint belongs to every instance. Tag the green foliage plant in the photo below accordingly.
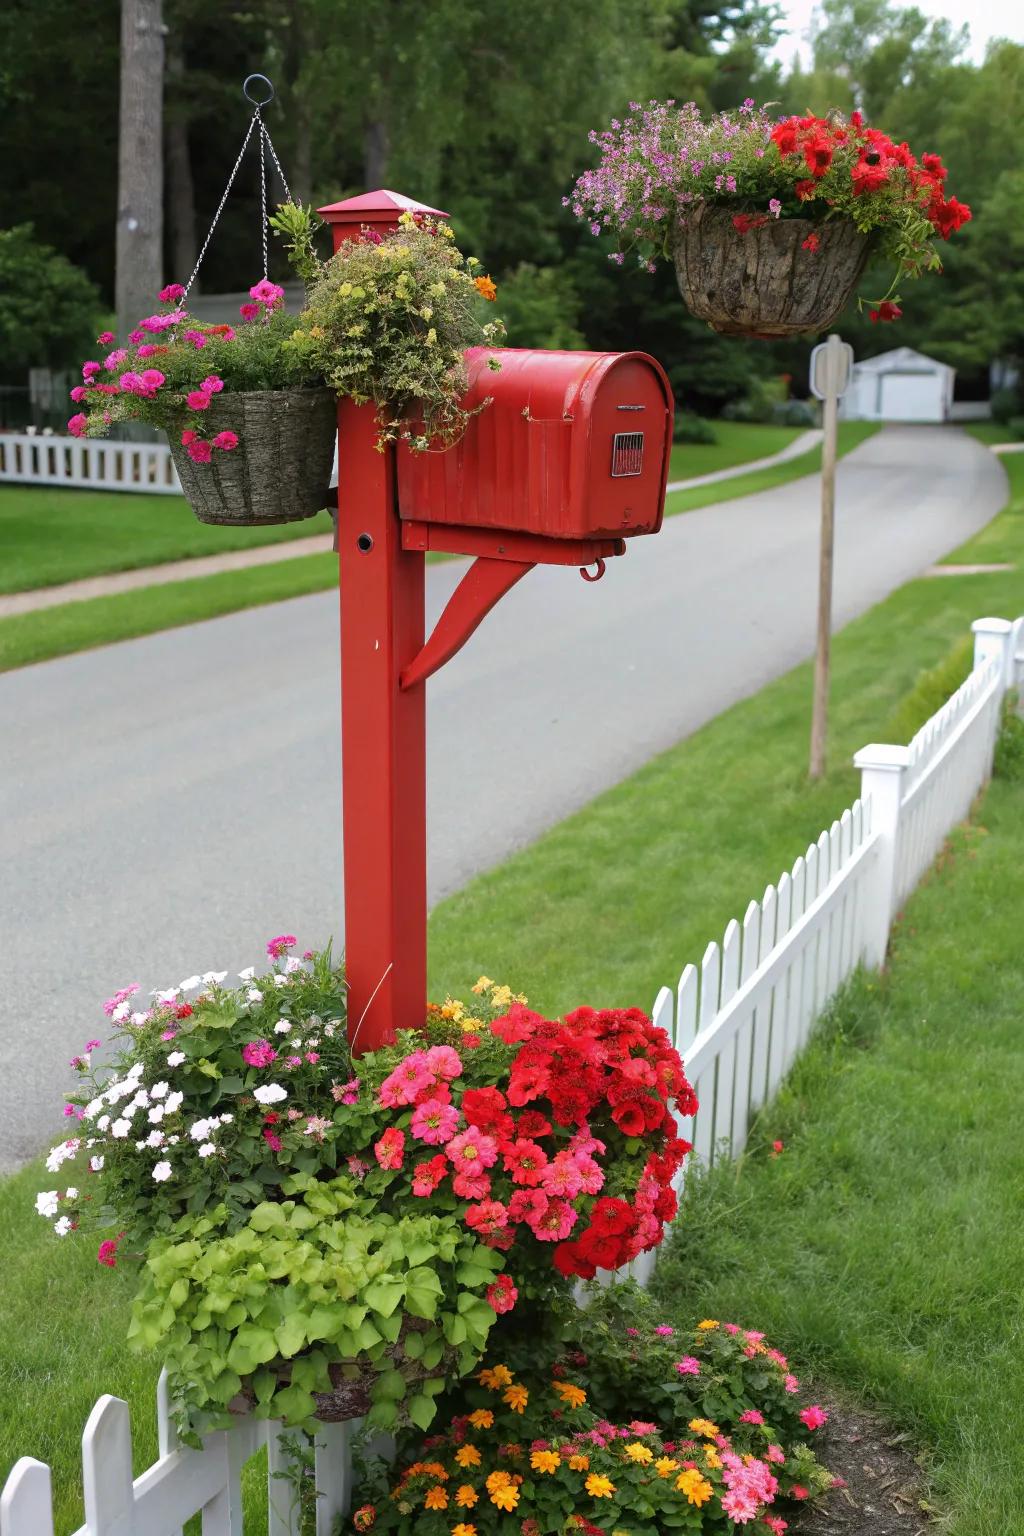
(49, 308)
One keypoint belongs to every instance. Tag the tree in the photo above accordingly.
(49, 310)
(140, 181)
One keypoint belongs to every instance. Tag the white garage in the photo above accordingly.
(902, 385)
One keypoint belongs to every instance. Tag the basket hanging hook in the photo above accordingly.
(599, 570)
(258, 101)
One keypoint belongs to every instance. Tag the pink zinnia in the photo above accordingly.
(776, 1524)
(751, 1416)
(688, 1366)
(472, 1151)
(248, 311)
(390, 1149)
(664, 1331)
(104, 338)
(200, 453)
(227, 442)
(259, 1053)
(434, 1122)
(267, 293)
(445, 1061)
(814, 1417)
(469, 1185)
(739, 1505)
(791, 1385)
(554, 1224)
(107, 1252)
(171, 294)
(775, 1454)
(562, 1177)
(77, 425)
(213, 386)
(488, 1217)
(284, 941)
(346, 1093)
(272, 1140)
(405, 1084)
(797, 1492)
(198, 400)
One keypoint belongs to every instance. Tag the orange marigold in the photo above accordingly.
(572, 1396)
(436, 1498)
(467, 1456)
(486, 287)
(466, 1496)
(481, 1418)
(505, 1497)
(517, 1398)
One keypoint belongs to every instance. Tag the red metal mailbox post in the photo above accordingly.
(569, 459)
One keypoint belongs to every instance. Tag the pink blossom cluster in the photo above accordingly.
(267, 297)
(750, 1485)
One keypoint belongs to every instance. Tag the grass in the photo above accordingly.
(51, 535)
(851, 435)
(78, 626)
(607, 907)
(884, 1248)
(738, 442)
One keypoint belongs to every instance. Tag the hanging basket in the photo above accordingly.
(281, 470)
(764, 283)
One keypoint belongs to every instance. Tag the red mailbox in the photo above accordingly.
(573, 446)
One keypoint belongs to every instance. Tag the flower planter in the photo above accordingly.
(764, 283)
(281, 469)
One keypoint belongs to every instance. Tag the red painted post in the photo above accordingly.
(383, 726)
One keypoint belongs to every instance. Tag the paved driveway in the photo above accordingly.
(169, 802)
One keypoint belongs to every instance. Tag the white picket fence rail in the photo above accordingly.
(739, 1019)
(79, 463)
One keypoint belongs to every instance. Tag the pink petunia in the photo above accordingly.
(171, 294)
(434, 1122)
(249, 311)
(213, 386)
(791, 1385)
(472, 1151)
(77, 425)
(197, 400)
(390, 1149)
(200, 453)
(751, 1416)
(814, 1417)
(104, 338)
(266, 292)
(284, 941)
(444, 1061)
(688, 1366)
(226, 441)
(470, 1185)
(258, 1053)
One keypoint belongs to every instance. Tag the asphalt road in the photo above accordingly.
(168, 803)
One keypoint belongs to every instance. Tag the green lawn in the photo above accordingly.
(851, 435)
(605, 908)
(884, 1247)
(738, 443)
(49, 535)
(989, 432)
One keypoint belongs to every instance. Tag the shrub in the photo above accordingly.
(693, 429)
(50, 311)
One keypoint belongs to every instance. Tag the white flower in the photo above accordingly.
(136, 1070)
(280, 981)
(120, 1129)
(172, 1141)
(159, 1090)
(173, 1102)
(162, 1172)
(140, 1101)
(139, 1019)
(167, 995)
(226, 1119)
(313, 1042)
(71, 1194)
(63, 1226)
(207, 1149)
(215, 976)
(140, 1146)
(329, 1031)
(292, 965)
(282, 1027)
(254, 995)
(102, 1122)
(155, 1139)
(270, 1093)
(247, 974)
(191, 984)
(121, 1012)
(60, 1154)
(93, 1108)
(199, 1130)
(96, 1164)
(155, 1115)
(176, 1058)
(46, 1202)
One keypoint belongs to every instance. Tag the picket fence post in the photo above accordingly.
(993, 641)
(883, 771)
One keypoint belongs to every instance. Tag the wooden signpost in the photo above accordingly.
(831, 365)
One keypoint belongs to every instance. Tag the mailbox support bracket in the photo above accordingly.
(502, 559)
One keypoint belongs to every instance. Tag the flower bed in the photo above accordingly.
(745, 205)
(319, 1236)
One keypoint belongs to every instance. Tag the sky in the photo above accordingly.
(997, 18)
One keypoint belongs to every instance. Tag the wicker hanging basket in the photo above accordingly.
(281, 470)
(764, 283)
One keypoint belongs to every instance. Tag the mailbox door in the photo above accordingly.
(624, 436)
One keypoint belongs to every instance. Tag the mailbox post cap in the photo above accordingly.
(382, 206)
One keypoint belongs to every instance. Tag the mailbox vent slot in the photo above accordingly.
(627, 454)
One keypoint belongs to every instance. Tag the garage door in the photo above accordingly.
(911, 397)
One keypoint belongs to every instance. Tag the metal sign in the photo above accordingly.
(831, 367)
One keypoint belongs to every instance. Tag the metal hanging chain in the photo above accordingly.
(265, 141)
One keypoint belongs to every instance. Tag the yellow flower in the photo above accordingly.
(697, 1489)
(431, 337)
(345, 290)
(664, 1465)
(545, 1461)
(467, 1456)
(708, 1323)
(599, 1487)
(481, 985)
(640, 1453)
(452, 1009)
(299, 334)
(506, 1497)
(579, 1462)
(703, 1427)
(573, 1397)
(498, 1480)
(465, 1496)
(436, 1498)
(495, 1376)
(481, 1418)
(463, 1530)
(517, 1398)
(501, 997)
(712, 1457)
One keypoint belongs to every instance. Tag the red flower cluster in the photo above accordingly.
(875, 163)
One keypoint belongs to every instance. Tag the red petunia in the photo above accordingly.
(531, 1124)
(805, 190)
(517, 1025)
(949, 216)
(885, 311)
(525, 1161)
(817, 152)
(427, 1176)
(784, 137)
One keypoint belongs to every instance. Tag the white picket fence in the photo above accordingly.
(39, 459)
(739, 1020)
